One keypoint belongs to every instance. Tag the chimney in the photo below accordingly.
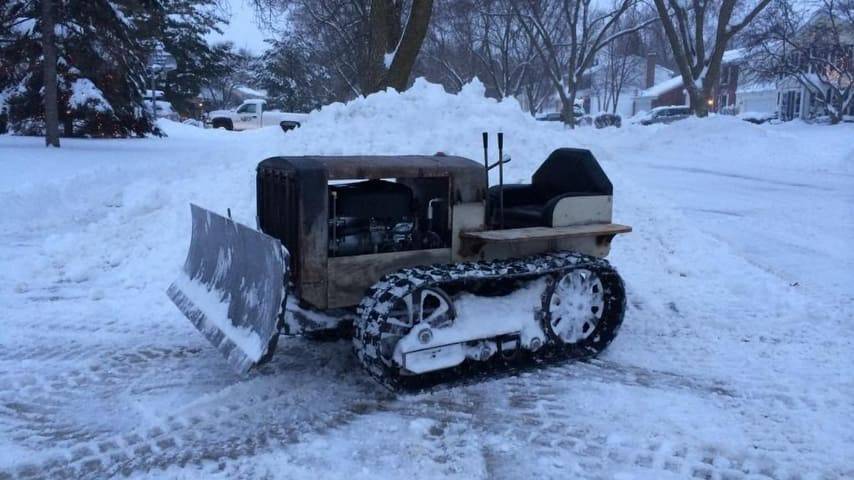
(650, 69)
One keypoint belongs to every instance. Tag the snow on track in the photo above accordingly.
(733, 362)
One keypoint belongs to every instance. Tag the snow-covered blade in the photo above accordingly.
(232, 287)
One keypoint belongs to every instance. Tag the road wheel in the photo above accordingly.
(380, 328)
(583, 309)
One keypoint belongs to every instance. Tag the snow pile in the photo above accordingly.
(425, 120)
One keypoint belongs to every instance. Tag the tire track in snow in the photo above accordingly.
(236, 428)
(547, 426)
(267, 410)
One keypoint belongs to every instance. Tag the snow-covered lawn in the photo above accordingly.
(735, 359)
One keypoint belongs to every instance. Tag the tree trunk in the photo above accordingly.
(51, 109)
(699, 103)
(386, 38)
(410, 44)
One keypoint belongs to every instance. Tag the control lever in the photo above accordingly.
(506, 159)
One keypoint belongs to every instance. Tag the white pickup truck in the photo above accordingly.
(254, 114)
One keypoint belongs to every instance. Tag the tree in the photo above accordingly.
(100, 68)
(454, 36)
(507, 55)
(229, 68)
(101, 51)
(369, 44)
(621, 63)
(567, 35)
(814, 46)
(393, 47)
(293, 81)
(698, 34)
(181, 27)
(51, 108)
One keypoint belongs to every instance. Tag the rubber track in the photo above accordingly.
(381, 297)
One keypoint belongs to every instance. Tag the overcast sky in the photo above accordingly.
(242, 29)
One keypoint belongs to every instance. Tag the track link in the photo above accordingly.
(466, 276)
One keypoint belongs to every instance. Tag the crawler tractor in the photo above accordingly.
(434, 274)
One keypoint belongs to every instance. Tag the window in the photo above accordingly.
(248, 108)
(725, 75)
(723, 100)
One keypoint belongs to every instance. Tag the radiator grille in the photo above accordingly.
(278, 210)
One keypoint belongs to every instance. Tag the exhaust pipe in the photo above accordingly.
(501, 179)
(486, 172)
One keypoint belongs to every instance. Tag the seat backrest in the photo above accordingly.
(571, 170)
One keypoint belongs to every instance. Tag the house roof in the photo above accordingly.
(733, 55)
(663, 87)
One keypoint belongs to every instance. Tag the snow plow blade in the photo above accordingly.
(232, 288)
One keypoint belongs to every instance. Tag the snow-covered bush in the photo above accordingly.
(608, 120)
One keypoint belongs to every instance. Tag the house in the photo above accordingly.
(799, 93)
(737, 91)
(641, 73)
(668, 92)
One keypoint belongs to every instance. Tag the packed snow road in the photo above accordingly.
(734, 360)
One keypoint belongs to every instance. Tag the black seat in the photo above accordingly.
(567, 172)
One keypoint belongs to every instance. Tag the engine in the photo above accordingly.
(379, 216)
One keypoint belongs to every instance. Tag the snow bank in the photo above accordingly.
(425, 120)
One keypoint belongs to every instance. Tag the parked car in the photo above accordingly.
(556, 116)
(608, 120)
(550, 117)
(666, 115)
(254, 114)
(163, 109)
(758, 117)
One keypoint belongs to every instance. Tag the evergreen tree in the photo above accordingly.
(102, 48)
(293, 81)
(180, 26)
(100, 68)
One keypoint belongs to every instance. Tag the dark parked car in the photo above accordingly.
(555, 116)
(758, 117)
(666, 115)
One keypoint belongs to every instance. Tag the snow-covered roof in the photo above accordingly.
(157, 93)
(662, 88)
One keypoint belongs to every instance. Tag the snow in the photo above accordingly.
(251, 92)
(214, 305)
(662, 88)
(156, 93)
(734, 55)
(733, 361)
(84, 93)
